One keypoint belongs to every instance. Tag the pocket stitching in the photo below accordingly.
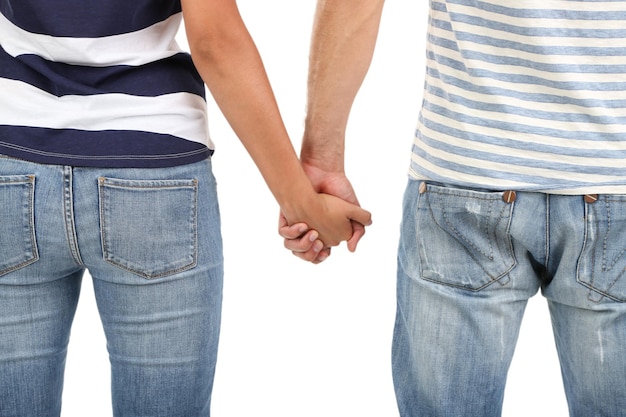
(104, 182)
(492, 277)
(591, 283)
(30, 183)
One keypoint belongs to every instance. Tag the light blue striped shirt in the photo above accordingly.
(527, 95)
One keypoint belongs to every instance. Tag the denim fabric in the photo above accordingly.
(150, 238)
(469, 261)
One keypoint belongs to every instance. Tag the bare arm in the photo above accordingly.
(344, 36)
(342, 46)
(231, 67)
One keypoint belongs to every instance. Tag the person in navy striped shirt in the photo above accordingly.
(517, 182)
(105, 165)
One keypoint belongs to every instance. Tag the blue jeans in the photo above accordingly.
(468, 262)
(150, 239)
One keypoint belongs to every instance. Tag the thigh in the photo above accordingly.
(461, 297)
(39, 289)
(35, 323)
(162, 340)
(590, 344)
(587, 299)
(158, 284)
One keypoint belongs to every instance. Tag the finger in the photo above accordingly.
(356, 213)
(358, 230)
(308, 242)
(322, 256)
(312, 256)
(294, 231)
(360, 215)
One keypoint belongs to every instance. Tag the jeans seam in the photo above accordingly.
(547, 235)
(68, 209)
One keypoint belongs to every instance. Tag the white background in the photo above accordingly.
(300, 340)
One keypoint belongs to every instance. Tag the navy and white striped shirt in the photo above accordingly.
(526, 95)
(99, 84)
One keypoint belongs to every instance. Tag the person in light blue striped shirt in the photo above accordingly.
(105, 165)
(517, 182)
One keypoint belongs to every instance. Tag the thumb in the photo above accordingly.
(360, 215)
(358, 230)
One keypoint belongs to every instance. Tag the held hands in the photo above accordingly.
(304, 239)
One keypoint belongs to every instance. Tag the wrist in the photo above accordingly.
(325, 153)
(296, 205)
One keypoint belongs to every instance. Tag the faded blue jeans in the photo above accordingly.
(468, 262)
(150, 238)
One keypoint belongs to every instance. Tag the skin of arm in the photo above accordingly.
(342, 46)
(228, 62)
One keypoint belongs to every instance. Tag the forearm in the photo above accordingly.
(342, 46)
(230, 65)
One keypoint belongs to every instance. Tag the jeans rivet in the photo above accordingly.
(509, 196)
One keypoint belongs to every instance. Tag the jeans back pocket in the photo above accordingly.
(149, 227)
(602, 263)
(18, 246)
(463, 237)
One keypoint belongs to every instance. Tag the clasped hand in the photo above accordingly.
(344, 219)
